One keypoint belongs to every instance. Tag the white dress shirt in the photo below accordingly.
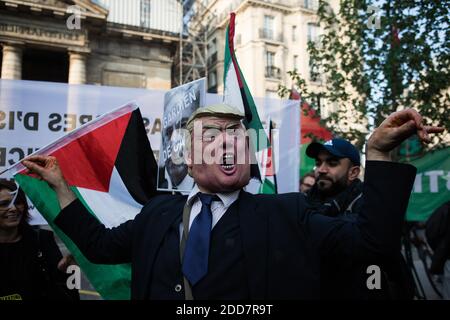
(218, 208)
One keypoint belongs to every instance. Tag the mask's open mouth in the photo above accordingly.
(228, 163)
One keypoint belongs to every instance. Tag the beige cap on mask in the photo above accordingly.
(216, 110)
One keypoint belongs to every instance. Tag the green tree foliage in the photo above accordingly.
(376, 57)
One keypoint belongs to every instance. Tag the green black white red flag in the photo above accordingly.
(237, 94)
(110, 166)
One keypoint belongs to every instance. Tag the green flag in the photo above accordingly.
(306, 163)
(237, 94)
(432, 184)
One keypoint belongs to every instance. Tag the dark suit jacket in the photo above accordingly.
(283, 241)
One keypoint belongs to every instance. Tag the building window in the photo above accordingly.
(145, 13)
(212, 82)
(313, 32)
(295, 62)
(270, 59)
(212, 79)
(271, 70)
(294, 33)
(311, 4)
(212, 51)
(268, 27)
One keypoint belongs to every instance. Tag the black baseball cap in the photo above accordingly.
(340, 148)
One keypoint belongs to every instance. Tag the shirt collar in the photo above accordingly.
(227, 198)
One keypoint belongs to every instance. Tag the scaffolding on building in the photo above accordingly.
(191, 56)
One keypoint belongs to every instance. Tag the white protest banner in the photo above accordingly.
(33, 114)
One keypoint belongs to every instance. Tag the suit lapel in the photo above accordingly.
(157, 229)
(254, 233)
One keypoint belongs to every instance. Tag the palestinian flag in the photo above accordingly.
(269, 184)
(110, 166)
(237, 94)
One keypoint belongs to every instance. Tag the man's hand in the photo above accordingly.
(47, 169)
(395, 129)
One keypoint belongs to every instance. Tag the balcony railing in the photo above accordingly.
(269, 34)
(273, 72)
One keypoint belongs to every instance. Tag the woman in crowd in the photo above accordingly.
(28, 257)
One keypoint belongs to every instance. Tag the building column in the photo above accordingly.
(12, 62)
(77, 68)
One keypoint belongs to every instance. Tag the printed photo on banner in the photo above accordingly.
(179, 104)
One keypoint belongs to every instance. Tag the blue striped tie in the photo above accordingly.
(195, 260)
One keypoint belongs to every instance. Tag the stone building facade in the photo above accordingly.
(271, 38)
(74, 42)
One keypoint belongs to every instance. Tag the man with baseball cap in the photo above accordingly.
(337, 167)
(338, 193)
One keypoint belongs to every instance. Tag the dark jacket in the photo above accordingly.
(54, 280)
(31, 271)
(345, 204)
(283, 242)
(349, 281)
